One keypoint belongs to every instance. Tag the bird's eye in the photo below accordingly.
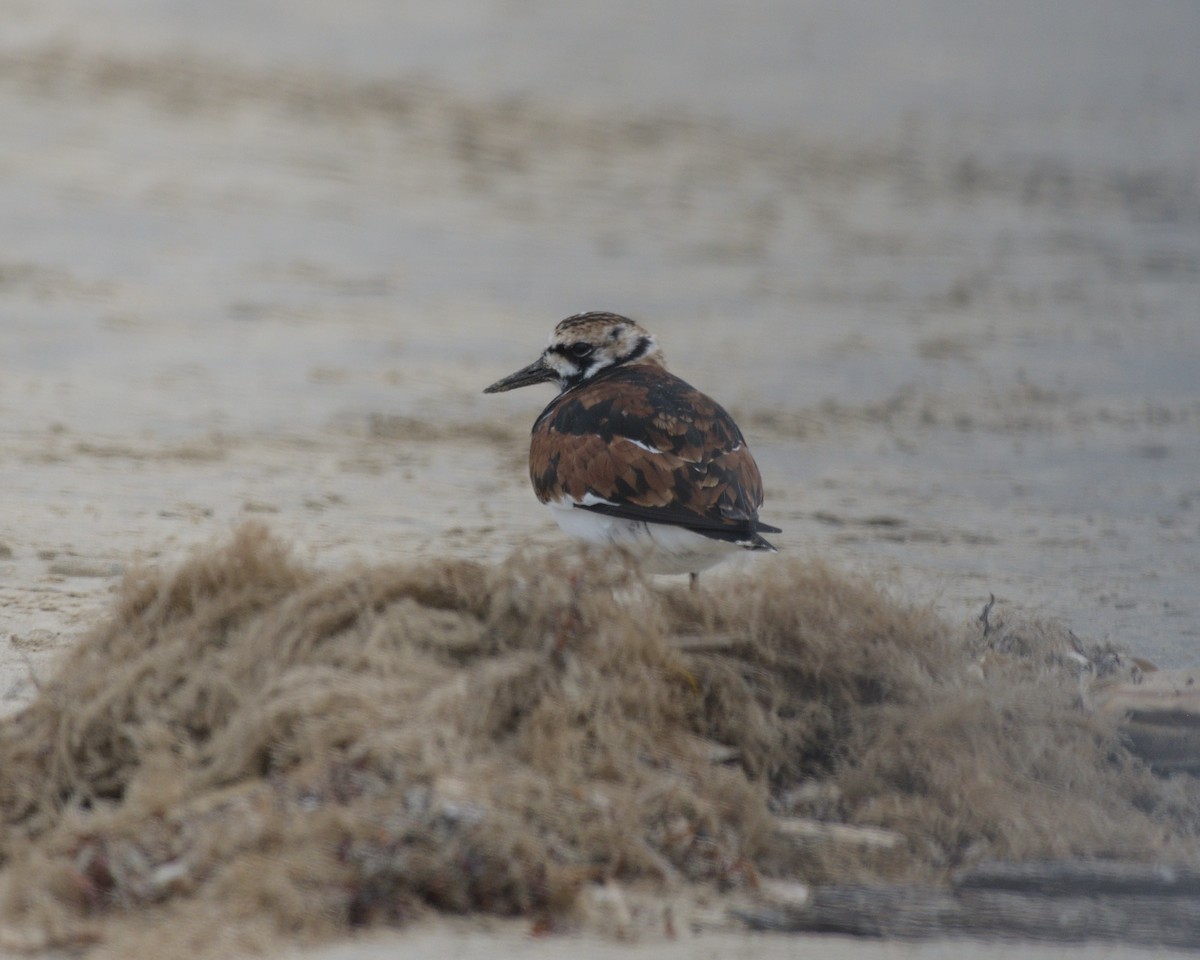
(581, 349)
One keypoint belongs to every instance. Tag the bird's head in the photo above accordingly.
(581, 347)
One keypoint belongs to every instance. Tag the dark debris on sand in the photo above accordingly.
(305, 751)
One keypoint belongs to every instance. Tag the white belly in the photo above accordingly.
(666, 548)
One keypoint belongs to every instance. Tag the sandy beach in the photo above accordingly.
(942, 264)
(446, 941)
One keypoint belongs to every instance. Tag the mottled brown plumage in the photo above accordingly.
(638, 449)
(651, 444)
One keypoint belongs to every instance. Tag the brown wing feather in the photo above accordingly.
(653, 445)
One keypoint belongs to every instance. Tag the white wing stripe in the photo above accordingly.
(644, 446)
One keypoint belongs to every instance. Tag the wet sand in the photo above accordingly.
(943, 270)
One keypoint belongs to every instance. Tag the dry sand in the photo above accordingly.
(445, 941)
(942, 265)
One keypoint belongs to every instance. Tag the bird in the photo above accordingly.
(629, 454)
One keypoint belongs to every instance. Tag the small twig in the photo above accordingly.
(987, 609)
(697, 643)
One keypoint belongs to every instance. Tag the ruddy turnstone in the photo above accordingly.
(629, 454)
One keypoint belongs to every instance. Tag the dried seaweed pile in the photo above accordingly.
(250, 738)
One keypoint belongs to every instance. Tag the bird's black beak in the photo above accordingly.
(536, 372)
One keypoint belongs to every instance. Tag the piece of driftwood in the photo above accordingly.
(1066, 902)
(899, 912)
(1073, 878)
(821, 831)
(1159, 717)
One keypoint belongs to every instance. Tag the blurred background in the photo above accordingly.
(941, 260)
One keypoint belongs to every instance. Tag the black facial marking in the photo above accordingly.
(573, 362)
(639, 349)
